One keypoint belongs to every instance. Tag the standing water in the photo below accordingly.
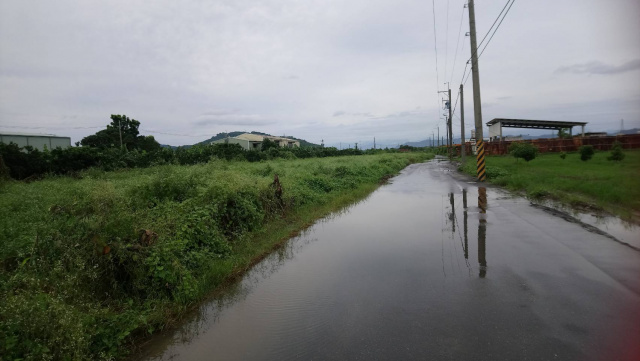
(427, 267)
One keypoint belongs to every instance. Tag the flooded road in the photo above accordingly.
(428, 267)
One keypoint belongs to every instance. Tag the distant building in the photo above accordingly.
(250, 141)
(37, 141)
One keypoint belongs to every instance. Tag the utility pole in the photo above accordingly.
(374, 142)
(120, 131)
(450, 128)
(438, 136)
(477, 106)
(463, 145)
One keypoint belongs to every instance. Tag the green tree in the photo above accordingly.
(268, 144)
(110, 137)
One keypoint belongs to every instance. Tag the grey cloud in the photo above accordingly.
(217, 113)
(597, 67)
(290, 77)
(340, 113)
(222, 117)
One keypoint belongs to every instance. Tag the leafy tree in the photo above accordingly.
(616, 152)
(147, 143)
(268, 144)
(526, 151)
(586, 152)
(563, 134)
(110, 137)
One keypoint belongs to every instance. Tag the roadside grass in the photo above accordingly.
(612, 186)
(91, 264)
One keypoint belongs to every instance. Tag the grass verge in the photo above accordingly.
(89, 265)
(612, 186)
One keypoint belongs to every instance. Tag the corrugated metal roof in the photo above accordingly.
(250, 137)
(32, 135)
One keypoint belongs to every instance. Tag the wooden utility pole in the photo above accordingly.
(477, 107)
(463, 146)
(120, 131)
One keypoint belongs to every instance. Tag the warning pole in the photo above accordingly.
(477, 107)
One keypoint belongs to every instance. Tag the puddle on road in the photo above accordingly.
(333, 282)
(622, 231)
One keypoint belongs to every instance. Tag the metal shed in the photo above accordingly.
(496, 125)
(37, 141)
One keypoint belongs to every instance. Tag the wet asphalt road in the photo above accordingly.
(427, 269)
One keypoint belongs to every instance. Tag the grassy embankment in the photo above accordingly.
(598, 183)
(80, 279)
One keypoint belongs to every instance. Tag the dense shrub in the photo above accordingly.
(586, 152)
(526, 151)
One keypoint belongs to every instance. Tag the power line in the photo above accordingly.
(494, 23)
(457, 44)
(475, 51)
(45, 127)
(446, 43)
(435, 43)
(435, 46)
(100, 127)
(494, 33)
(179, 135)
(464, 80)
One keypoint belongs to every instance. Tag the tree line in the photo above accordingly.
(121, 146)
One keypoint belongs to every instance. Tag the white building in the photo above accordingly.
(250, 141)
(37, 141)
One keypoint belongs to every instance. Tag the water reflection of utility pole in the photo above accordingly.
(482, 231)
(466, 238)
(452, 215)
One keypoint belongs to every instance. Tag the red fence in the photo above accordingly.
(631, 141)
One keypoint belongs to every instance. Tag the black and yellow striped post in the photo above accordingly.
(480, 160)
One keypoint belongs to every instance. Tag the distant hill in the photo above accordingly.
(303, 143)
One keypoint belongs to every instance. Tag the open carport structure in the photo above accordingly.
(496, 125)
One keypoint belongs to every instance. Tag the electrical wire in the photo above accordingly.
(455, 57)
(506, 7)
(446, 48)
(100, 127)
(494, 33)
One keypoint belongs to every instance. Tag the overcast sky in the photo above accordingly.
(342, 71)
